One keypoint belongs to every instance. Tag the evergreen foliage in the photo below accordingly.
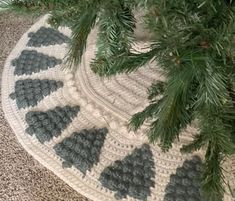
(192, 42)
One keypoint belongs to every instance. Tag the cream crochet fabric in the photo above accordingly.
(106, 161)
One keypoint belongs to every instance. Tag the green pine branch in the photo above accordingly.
(121, 63)
(80, 31)
(151, 111)
(174, 113)
(156, 89)
(116, 35)
(65, 17)
(213, 177)
(198, 142)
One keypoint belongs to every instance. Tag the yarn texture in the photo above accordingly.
(75, 124)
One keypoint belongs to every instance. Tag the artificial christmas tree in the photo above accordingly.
(191, 41)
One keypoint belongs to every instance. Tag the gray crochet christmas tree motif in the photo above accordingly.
(45, 37)
(49, 124)
(31, 61)
(132, 176)
(185, 184)
(29, 92)
(82, 150)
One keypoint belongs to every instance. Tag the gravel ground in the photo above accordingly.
(21, 177)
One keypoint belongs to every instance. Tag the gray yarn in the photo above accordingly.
(29, 92)
(82, 150)
(185, 184)
(46, 125)
(133, 176)
(31, 61)
(45, 37)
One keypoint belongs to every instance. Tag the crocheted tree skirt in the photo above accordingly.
(75, 124)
